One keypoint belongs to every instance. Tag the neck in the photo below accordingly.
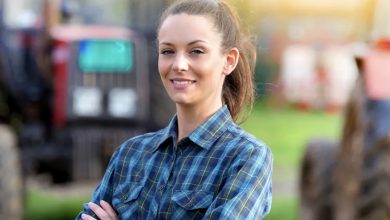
(190, 117)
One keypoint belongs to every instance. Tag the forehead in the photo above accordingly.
(183, 27)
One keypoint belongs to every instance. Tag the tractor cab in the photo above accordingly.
(100, 75)
(78, 81)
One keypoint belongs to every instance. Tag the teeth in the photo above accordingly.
(182, 82)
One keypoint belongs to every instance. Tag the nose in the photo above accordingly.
(180, 63)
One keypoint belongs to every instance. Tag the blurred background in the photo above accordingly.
(78, 77)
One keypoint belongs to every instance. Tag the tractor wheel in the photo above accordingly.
(316, 180)
(11, 185)
(374, 202)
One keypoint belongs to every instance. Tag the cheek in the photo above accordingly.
(212, 69)
(163, 67)
(206, 65)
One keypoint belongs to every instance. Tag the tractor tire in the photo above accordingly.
(374, 201)
(316, 180)
(11, 184)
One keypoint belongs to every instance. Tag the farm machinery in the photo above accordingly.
(72, 91)
(351, 179)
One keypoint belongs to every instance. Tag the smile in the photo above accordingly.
(182, 82)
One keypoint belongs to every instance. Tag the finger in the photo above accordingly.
(87, 217)
(108, 208)
(98, 211)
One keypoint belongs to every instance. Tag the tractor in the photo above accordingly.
(350, 179)
(75, 82)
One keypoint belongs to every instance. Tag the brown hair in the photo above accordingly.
(238, 89)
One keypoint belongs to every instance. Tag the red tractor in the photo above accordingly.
(71, 93)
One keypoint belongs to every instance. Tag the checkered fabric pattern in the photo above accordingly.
(218, 172)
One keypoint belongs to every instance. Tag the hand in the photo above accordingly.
(104, 211)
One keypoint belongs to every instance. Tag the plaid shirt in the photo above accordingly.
(218, 172)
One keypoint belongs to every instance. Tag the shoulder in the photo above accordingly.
(247, 153)
(236, 134)
(245, 144)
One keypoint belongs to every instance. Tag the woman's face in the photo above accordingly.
(191, 62)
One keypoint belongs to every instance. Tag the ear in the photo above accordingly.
(231, 60)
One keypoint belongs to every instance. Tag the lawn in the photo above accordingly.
(284, 130)
(41, 205)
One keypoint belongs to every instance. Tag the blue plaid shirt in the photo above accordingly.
(218, 172)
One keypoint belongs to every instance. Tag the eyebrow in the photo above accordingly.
(189, 44)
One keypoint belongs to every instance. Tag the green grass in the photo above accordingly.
(284, 130)
(44, 206)
(41, 205)
(283, 208)
(287, 130)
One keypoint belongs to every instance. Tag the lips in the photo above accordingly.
(182, 83)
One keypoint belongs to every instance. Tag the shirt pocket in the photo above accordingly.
(192, 200)
(125, 199)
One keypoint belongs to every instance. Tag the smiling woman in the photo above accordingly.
(192, 64)
(202, 165)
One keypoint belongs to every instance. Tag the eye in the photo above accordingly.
(197, 51)
(167, 51)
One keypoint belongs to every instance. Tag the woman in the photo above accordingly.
(202, 165)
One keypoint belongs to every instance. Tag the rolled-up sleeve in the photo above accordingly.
(247, 192)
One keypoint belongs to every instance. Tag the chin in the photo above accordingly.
(181, 101)
(178, 99)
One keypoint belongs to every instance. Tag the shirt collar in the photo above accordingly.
(206, 134)
(169, 132)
